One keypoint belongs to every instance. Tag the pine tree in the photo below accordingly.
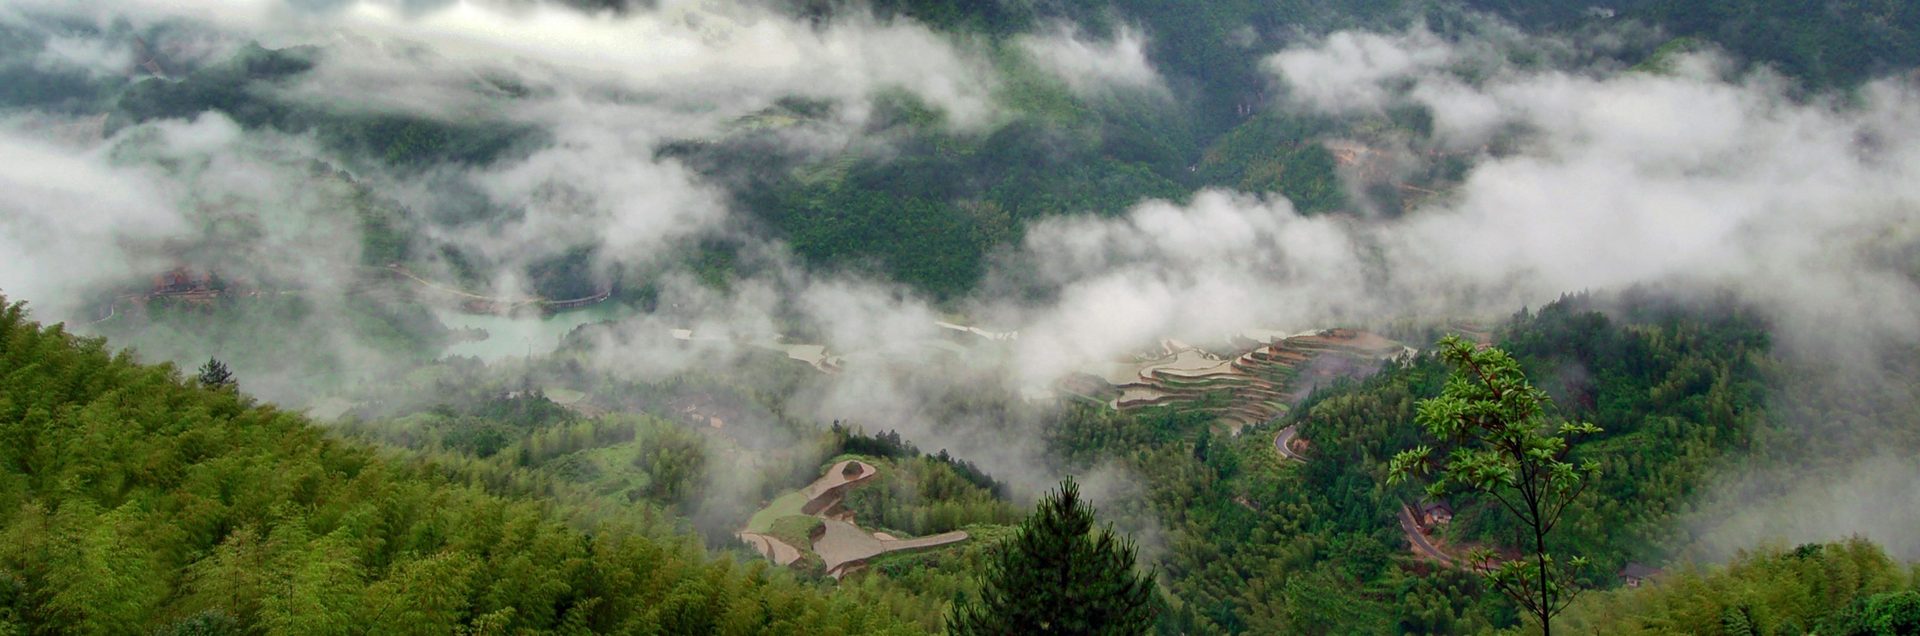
(215, 374)
(1057, 575)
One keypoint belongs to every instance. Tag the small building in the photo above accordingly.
(1300, 446)
(1636, 573)
(180, 281)
(1435, 513)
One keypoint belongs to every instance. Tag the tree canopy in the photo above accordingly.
(1058, 574)
(134, 501)
(1492, 418)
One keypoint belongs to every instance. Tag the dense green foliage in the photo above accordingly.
(1058, 574)
(1675, 389)
(215, 374)
(1274, 154)
(1250, 544)
(132, 501)
(1849, 588)
(1489, 422)
(484, 425)
(923, 495)
(889, 444)
(1257, 544)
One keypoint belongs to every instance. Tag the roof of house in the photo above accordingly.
(1430, 507)
(1639, 571)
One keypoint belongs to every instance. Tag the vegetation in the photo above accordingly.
(795, 530)
(1253, 543)
(215, 375)
(928, 214)
(922, 496)
(740, 477)
(270, 339)
(1847, 588)
(133, 501)
(462, 498)
(1490, 416)
(1250, 544)
(889, 445)
(1058, 575)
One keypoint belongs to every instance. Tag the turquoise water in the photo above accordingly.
(513, 336)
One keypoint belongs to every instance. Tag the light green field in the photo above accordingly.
(787, 505)
(796, 531)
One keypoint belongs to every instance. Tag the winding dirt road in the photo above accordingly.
(1283, 443)
(1427, 550)
(1421, 545)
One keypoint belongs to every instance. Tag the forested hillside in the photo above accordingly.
(133, 501)
(1844, 588)
(136, 500)
(1258, 543)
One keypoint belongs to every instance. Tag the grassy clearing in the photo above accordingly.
(796, 531)
(788, 505)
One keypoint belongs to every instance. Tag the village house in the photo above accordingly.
(1637, 573)
(1434, 514)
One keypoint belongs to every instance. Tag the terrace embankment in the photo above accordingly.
(842, 546)
(1254, 384)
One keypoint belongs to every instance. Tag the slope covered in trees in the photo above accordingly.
(132, 498)
(1848, 588)
(1255, 543)
(132, 501)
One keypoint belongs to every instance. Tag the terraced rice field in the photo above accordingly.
(1255, 385)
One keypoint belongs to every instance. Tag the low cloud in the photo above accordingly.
(63, 207)
(1201, 272)
(1095, 68)
(1354, 71)
(95, 57)
(600, 94)
(1872, 497)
